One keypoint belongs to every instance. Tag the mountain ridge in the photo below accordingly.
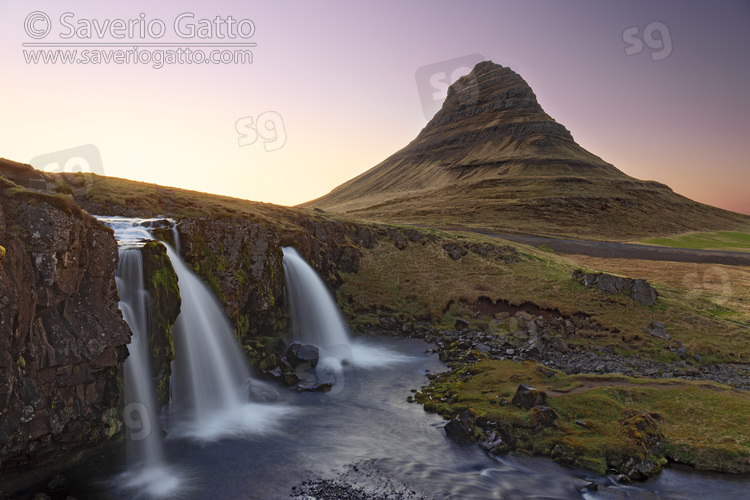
(492, 142)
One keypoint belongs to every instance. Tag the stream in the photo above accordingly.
(365, 433)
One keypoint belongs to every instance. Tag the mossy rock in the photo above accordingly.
(161, 283)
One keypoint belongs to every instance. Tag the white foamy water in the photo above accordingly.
(316, 320)
(210, 377)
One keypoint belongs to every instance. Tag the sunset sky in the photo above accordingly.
(338, 82)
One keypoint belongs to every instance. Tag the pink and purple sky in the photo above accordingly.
(660, 89)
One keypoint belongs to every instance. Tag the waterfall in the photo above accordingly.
(211, 382)
(212, 393)
(317, 320)
(142, 435)
(147, 471)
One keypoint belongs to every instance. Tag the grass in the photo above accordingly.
(719, 240)
(704, 424)
(423, 283)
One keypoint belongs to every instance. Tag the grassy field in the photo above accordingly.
(734, 241)
(704, 424)
(421, 282)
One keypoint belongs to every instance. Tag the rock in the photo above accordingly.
(460, 428)
(658, 330)
(542, 416)
(610, 284)
(319, 210)
(313, 387)
(461, 324)
(56, 482)
(643, 292)
(584, 423)
(455, 251)
(297, 354)
(398, 239)
(61, 333)
(560, 345)
(641, 427)
(527, 397)
(589, 280)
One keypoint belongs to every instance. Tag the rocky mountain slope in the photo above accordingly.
(492, 158)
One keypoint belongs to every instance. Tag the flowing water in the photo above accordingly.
(147, 470)
(211, 382)
(316, 320)
(364, 433)
(369, 425)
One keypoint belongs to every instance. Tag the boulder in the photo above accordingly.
(461, 324)
(455, 251)
(658, 330)
(527, 397)
(460, 428)
(297, 354)
(643, 292)
(542, 416)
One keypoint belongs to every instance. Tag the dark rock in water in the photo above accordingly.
(542, 416)
(641, 428)
(461, 324)
(460, 428)
(643, 293)
(297, 354)
(527, 397)
(313, 387)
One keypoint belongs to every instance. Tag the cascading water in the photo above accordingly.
(211, 383)
(147, 470)
(316, 320)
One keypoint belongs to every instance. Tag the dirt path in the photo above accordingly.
(624, 250)
(588, 383)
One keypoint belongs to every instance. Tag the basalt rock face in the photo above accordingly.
(241, 260)
(62, 336)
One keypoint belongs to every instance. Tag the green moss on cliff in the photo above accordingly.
(161, 284)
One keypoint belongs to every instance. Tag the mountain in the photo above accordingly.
(493, 159)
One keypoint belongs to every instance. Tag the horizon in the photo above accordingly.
(659, 90)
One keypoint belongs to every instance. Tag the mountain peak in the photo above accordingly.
(492, 155)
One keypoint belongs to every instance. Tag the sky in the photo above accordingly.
(328, 89)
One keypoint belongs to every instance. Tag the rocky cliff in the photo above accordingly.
(62, 336)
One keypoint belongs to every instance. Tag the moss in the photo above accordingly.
(624, 419)
(21, 362)
(161, 284)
